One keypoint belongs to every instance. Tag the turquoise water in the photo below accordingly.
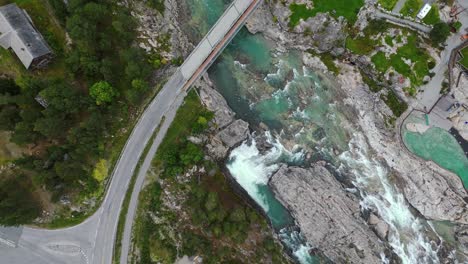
(268, 89)
(439, 146)
(303, 113)
(249, 173)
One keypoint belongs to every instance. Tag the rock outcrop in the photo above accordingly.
(215, 103)
(272, 20)
(328, 216)
(228, 132)
(235, 133)
(436, 193)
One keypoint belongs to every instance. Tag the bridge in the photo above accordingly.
(92, 241)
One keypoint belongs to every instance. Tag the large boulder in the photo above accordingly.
(223, 115)
(235, 133)
(328, 216)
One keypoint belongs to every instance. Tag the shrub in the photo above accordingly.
(102, 92)
(439, 33)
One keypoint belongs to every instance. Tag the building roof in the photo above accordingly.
(21, 23)
(424, 11)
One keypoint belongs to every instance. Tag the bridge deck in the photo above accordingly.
(217, 33)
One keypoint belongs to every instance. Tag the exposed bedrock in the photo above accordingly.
(328, 216)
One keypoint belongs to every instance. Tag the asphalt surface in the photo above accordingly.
(92, 241)
(402, 21)
(431, 94)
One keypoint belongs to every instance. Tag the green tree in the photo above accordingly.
(17, 204)
(192, 154)
(439, 33)
(211, 201)
(238, 215)
(8, 117)
(62, 98)
(8, 86)
(102, 92)
(139, 85)
(200, 125)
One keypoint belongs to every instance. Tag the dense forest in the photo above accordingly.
(71, 117)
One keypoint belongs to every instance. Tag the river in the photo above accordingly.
(306, 122)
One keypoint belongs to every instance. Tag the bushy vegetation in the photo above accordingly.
(345, 8)
(67, 113)
(388, 4)
(364, 45)
(439, 33)
(157, 4)
(410, 51)
(397, 106)
(19, 206)
(210, 221)
(412, 7)
(464, 60)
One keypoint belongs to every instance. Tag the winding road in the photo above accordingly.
(93, 240)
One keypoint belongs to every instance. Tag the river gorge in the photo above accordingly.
(302, 117)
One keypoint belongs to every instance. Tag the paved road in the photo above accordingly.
(405, 22)
(432, 89)
(237, 18)
(92, 241)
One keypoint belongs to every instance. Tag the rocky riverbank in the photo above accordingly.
(330, 217)
(432, 192)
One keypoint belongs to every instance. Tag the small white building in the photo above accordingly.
(424, 11)
(18, 33)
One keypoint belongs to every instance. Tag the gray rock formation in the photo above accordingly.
(461, 233)
(328, 216)
(235, 133)
(272, 19)
(215, 103)
(379, 226)
(436, 193)
(216, 148)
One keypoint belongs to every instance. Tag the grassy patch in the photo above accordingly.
(182, 126)
(388, 4)
(373, 85)
(389, 40)
(345, 8)
(364, 45)
(328, 60)
(464, 60)
(380, 61)
(420, 64)
(412, 7)
(411, 91)
(360, 45)
(433, 16)
(393, 102)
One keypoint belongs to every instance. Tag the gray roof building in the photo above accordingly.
(18, 33)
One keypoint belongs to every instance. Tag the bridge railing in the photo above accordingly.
(186, 69)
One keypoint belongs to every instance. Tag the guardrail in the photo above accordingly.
(205, 39)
